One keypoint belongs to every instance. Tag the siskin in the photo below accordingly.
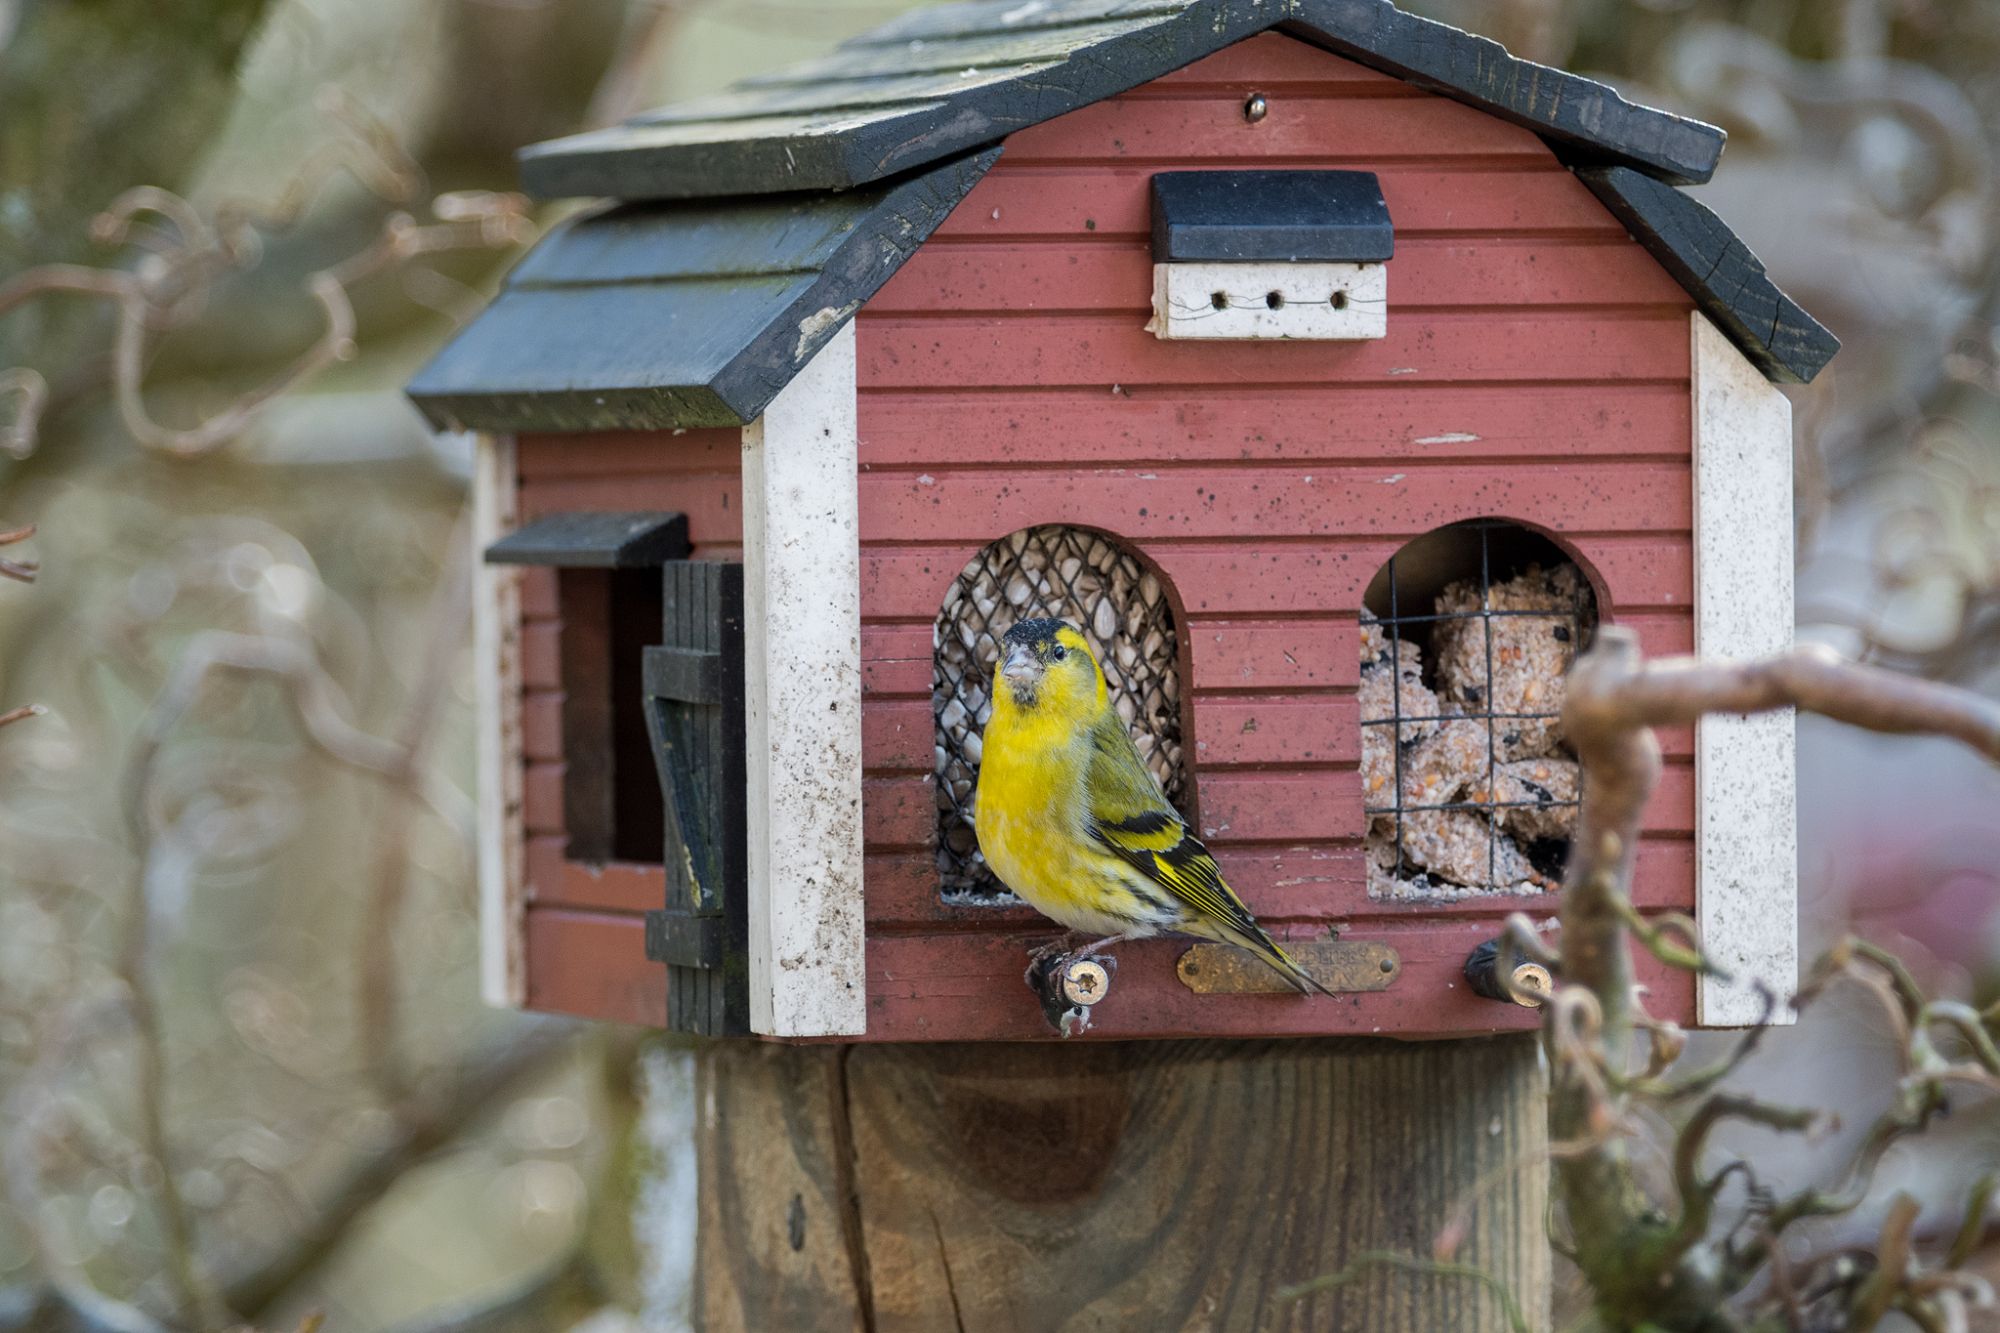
(1070, 818)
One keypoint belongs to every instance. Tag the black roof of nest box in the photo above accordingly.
(774, 210)
(1278, 216)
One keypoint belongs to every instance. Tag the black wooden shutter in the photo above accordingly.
(694, 712)
(689, 688)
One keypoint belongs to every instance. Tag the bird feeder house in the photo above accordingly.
(1337, 374)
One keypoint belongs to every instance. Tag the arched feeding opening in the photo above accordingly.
(1122, 607)
(1468, 782)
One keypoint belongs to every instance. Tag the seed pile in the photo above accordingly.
(1533, 626)
(1513, 795)
(1122, 612)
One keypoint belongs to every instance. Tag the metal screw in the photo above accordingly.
(1085, 983)
(1255, 108)
(1532, 985)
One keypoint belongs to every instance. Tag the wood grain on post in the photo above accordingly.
(1158, 1185)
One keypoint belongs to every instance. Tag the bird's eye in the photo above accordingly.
(1057, 653)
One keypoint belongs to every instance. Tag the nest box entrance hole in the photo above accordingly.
(1124, 608)
(1469, 785)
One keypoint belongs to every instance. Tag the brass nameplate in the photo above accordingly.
(1338, 965)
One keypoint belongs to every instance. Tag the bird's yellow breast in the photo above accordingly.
(1030, 813)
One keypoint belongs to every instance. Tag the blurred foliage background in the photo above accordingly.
(244, 1073)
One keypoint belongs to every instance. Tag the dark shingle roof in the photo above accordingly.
(939, 81)
(688, 314)
(1726, 280)
(783, 204)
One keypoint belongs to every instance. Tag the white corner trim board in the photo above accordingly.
(1746, 768)
(496, 655)
(1268, 300)
(802, 703)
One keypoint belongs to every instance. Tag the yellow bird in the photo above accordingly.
(1070, 818)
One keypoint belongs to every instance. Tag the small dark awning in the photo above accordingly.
(1280, 216)
(595, 541)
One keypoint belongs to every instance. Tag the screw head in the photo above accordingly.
(1532, 985)
(1085, 983)
(1255, 108)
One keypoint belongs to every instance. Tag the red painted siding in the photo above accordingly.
(1536, 368)
(585, 942)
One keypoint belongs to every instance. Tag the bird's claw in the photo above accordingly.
(1058, 945)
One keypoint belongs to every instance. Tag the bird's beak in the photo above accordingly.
(1020, 666)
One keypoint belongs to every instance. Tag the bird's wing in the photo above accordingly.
(1130, 818)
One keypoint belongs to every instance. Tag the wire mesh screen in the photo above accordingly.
(1118, 604)
(1469, 785)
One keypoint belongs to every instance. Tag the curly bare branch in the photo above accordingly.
(184, 258)
(1814, 680)
(1677, 1272)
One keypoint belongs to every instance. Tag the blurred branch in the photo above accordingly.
(69, 1307)
(1674, 1271)
(377, 988)
(1620, 696)
(172, 281)
(95, 97)
(181, 261)
(559, 1296)
(65, 1303)
(63, 1298)
(21, 571)
(314, 698)
(621, 90)
(422, 1127)
(316, 705)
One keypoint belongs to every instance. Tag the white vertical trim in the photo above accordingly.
(1746, 778)
(802, 699)
(496, 654)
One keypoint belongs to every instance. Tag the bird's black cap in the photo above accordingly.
(1030, 632)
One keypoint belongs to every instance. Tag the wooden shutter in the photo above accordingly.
(694, 714)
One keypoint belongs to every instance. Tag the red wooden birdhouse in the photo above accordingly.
(1335, 372)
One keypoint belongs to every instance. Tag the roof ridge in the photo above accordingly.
(895, 109)
(803, 203)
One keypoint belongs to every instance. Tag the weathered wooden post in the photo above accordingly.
(1133, 1185)
(1336, 374)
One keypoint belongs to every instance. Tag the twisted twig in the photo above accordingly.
(186, 257)
(1642, 1263)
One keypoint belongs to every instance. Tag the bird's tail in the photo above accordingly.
(1279, 961)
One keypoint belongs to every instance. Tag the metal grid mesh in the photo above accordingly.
(1487, 741)
(1123, 612)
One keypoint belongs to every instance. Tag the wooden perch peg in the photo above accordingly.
(1520, 980)
(1069, 986)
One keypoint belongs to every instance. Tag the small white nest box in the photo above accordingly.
(1270, 254)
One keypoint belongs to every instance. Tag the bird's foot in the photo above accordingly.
(1058, 945)
(1062, 947)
